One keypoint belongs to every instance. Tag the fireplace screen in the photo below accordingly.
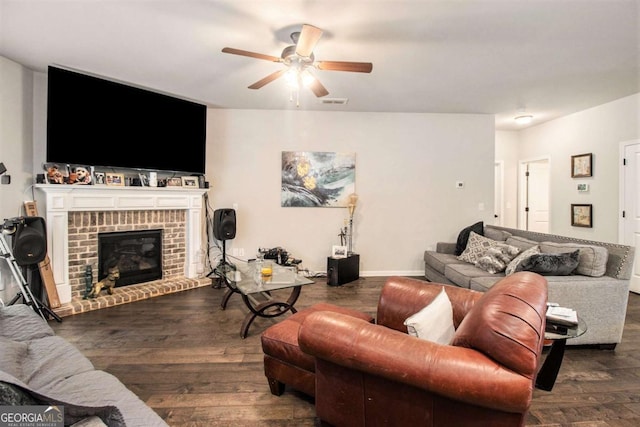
(138, 255)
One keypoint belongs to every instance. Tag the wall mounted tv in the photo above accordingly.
(99, 122)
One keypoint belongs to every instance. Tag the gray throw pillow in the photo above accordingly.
(551, 264)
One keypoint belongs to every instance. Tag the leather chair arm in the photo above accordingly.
(402, 297)
(457, 373)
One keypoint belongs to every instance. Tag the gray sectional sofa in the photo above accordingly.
(39, 368)
(599, 297)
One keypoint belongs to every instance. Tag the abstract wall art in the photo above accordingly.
(317, 179)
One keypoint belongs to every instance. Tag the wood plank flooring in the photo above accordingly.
(184, 357)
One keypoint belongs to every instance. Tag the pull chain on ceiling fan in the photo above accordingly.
(298, 59)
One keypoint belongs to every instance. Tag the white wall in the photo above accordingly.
(16, 148)
(598, 130)
(507, 148)
(406, 169)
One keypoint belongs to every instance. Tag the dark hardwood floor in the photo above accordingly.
(183, 355)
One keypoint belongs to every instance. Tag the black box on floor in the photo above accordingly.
(343, 270)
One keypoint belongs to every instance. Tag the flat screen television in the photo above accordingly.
(98, 122)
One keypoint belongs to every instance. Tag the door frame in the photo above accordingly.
(621, 187)
(498, 188)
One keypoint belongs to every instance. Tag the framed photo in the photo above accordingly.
(583, 187)
(174, 182)
(99, 178)
(190, 181)
(582, 165)
(80, 174)
(338, 252)
(582, 215)
(55, 173)
(116, 179)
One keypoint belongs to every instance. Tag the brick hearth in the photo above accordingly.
(131, 293)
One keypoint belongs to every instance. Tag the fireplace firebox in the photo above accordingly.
(137, 254)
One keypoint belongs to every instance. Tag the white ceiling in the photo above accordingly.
(549, 57)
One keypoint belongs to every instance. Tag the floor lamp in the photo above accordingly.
(353, 200)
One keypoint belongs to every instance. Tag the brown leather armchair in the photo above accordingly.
(376, 374)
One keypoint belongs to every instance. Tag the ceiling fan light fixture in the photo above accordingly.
(524, 119)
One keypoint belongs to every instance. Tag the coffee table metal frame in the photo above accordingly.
(551, 366)
(258, 297)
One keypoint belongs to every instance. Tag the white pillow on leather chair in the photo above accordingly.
(434, 322)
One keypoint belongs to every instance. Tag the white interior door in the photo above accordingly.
(631, 220)
(539, 196)
(534, 200)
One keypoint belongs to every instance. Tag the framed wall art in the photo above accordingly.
(116, 179)
(582, 165)
(317, 179)
(582, 215)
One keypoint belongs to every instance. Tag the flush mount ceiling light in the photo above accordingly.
(523, 119)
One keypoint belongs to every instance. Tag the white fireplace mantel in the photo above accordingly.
(56, 201)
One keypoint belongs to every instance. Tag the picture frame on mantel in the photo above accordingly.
(582, 215)
(114, 179)
(582, 165)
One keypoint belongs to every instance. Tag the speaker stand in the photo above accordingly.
(221, 269)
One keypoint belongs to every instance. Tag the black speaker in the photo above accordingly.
(224, 224)
(29, 242)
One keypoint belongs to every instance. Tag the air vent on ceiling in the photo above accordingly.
(335, 101)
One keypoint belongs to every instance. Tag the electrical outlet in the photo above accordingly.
(459, 184)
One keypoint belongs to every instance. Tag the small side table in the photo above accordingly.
(343, 270)
(551, 366)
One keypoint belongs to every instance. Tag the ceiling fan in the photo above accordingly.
(298, 58)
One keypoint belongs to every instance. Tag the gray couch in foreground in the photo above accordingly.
(39, 368)
(600, 301)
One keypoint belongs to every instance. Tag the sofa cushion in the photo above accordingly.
(12, 353)
(499, 235)
(439, 261)
(434, 322)
(520, 242)
(593, 259)
(551, 264)
(463, 236)
(496, 258)
(50, 359)
(476, 247)
(522, 256)
(17, 322)
(461, 274)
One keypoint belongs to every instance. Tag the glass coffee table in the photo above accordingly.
(549, 371)
(258, 293)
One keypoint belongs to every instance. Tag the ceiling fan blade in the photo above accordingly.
(307, 40)
(271, 77)
(358, 67)
(318, 89)
(251, 54)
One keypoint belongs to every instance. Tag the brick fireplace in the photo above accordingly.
(75, 215)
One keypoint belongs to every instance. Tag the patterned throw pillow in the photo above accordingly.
(463, 237)
(524, 255)
(496, 258)
(476, 247)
